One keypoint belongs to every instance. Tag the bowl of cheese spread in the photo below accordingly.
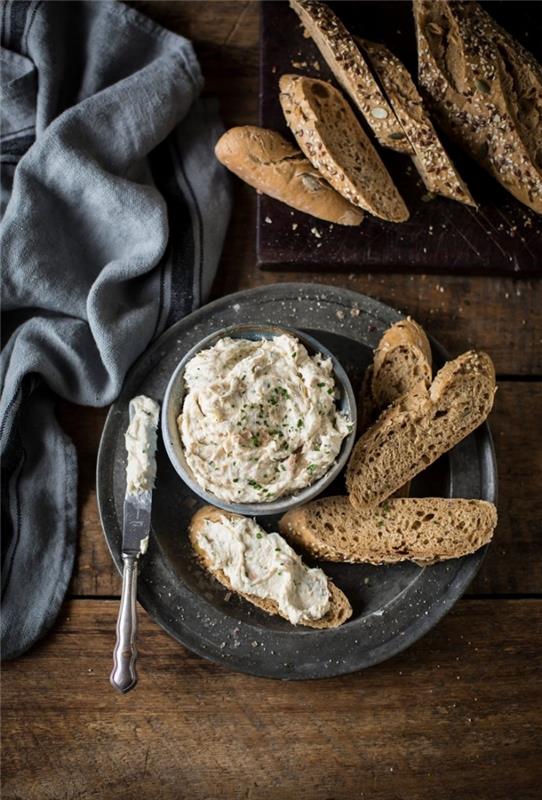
(258, 418)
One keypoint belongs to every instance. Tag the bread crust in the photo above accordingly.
(272, 165)
(424, 530)
(347, 63)
(331, 137)
(340, 608)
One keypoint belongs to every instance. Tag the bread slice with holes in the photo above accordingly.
(430, 158)
(419, 427)
(402, 360)
(340, 609)
(272, 165)
(331, 137)
(347, 63)
(425, 530)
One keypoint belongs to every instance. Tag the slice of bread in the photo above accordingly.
(402, 360)
(430, 158)
(331, 137)
(348, 65)
(340, 609)
(419, 427)
(472, 74)
(424, 530)
(272, 165)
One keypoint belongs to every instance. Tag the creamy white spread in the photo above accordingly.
(140, 439)
(259, 419)
(264, 565)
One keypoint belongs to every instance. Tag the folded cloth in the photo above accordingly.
(115, 210)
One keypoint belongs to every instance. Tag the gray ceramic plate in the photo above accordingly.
(393, 605)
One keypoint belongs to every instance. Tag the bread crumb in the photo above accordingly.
(268, 220)
(354, 311)
(339, 314)
(316, 232)
(316, 65)
(273, 70)
(294, 226)
(298, 64)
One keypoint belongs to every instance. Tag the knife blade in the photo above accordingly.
(136, 528)
(137, 523)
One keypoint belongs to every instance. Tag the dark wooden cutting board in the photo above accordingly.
(503, 237)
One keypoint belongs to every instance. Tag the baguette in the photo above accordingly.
(401, 361)
(430, 158)
(424, 530)
(472, 72)
(419, 427)
(266, 161)
(346, 62)
(329, 134)
(340, 609)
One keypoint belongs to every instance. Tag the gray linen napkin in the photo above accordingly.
(114, 214)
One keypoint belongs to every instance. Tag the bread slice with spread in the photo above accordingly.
(348, 65)
(235, 551)
(333, 140)
(272, 165)
(424, 530)
(430, 158)
(419, 427)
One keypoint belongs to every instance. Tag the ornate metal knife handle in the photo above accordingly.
(124, 675)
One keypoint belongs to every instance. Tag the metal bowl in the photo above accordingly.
(173, 402)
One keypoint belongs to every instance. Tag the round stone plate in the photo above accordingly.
(392, 605)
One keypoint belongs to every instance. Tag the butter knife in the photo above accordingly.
(135, 538)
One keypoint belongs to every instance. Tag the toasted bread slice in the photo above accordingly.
(424, 530)
(419, 427)
(340, 609)
(274, 166)
(430, 158)
(401, 361)
(351, 71)
(331, 137)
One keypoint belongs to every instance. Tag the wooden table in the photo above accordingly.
(457, 716)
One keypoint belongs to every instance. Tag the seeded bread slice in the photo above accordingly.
(401, 361)
(419, 427)
(424, 530)
(340, 609)
(265, 160)
(331, 137)
(473, 73)
(348, 65)
(430, 158)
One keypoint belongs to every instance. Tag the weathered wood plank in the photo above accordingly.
(456, 716)
(512, 564)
